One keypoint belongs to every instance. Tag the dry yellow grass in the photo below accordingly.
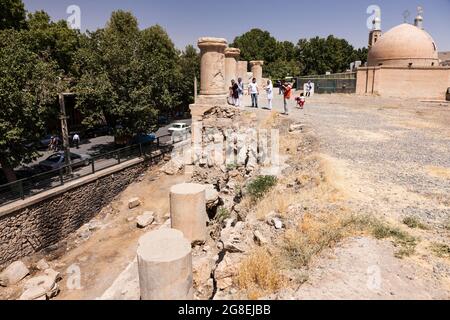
(439, 172)
(258, 274)
(275, 201)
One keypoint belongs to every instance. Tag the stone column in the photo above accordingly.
(165, 266)
(231, 55)
(257, 71)
(242, 71)
(188, 211)
(212, 75)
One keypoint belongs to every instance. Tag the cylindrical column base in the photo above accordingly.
(165, 266)
(188, 211)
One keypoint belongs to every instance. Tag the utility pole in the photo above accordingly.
(65, 133)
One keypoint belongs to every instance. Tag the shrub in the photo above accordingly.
(259, 187)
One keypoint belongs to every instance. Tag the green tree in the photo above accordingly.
(28, 90)
(331, 54)
(189, 68)
(53, 39)
(126, 76)
(12, 14)
(257, 45)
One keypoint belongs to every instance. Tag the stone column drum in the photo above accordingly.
(212, 75)
(257, 71)
(165, 266)
(242, 71)
(188, 211)
(231, 55)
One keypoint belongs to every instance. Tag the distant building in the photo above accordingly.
(403, 62)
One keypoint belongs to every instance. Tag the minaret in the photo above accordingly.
(418, 21)
(376, 32)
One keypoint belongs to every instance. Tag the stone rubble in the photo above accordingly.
(13, 274)
(145, 220)
(134, 203)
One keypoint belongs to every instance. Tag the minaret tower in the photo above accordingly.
(418, 21)
(376, 32)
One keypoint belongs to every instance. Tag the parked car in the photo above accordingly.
(98, 132)
(57, 161)
(143, 138)
(179, 128)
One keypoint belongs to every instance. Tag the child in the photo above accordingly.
(301, 101)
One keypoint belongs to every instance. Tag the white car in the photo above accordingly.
(179, 128)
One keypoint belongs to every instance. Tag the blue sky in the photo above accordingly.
(187, 20)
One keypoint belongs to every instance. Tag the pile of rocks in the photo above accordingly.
(40, 287)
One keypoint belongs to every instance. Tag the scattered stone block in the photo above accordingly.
(145, 220)
(13, 274)
(42, 265)
(55, 275)
(134, 203)
(34, 293)
(259, 238)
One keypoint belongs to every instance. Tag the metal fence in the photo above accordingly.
(333, 83)
(39, 183)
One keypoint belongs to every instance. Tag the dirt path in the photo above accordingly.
(391, 159)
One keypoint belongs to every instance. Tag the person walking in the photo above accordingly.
(287, 90)
(269, 91)
(253, 91)
(308, 88)
(241, 90)
(76, 140)
(280, 87)
(234, 92)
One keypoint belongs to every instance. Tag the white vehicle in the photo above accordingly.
(179, 128)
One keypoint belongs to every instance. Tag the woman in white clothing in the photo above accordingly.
(269, 91)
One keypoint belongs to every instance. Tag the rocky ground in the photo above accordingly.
(359, 211)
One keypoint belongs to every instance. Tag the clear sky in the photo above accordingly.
(187, 20)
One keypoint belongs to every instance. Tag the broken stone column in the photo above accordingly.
(242, 67)
(231, 55)
(188, 211)
(258, 72)
(212, 73)
(165, 266)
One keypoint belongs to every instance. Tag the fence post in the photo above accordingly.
(118, 157)
(140, 150)
(93, 165)
(22, 193)
(61, 177)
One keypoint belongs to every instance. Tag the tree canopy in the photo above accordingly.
(12, 14)
(28, 88)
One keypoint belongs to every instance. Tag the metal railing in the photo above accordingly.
(28, 187)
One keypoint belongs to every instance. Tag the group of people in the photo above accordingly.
(237, 93)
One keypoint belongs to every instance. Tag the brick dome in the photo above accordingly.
(403, 46)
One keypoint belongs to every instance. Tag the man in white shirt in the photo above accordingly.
(76, 140)
(253, 90)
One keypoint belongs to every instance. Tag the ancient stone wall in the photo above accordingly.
(46, 223)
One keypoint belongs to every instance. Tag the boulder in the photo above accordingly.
(277, 223)
(55, 275)
(42, 265)
(45, 285)
(227, 270)
(34, 293)
(259, 238)
(145, 220)
(13, 274)
(134, 203)
(203, 283)
(172, 167)
(212, 196)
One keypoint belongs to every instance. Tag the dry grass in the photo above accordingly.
(439, 172)
(441, 250)
(312, 235)
(275, 201)
(258, 274)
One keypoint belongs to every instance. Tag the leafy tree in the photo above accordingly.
(12, 14)
(53, 39)
(28, 88)
(257, 45)
(321, 55)
(189, 68)
(126, 76)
